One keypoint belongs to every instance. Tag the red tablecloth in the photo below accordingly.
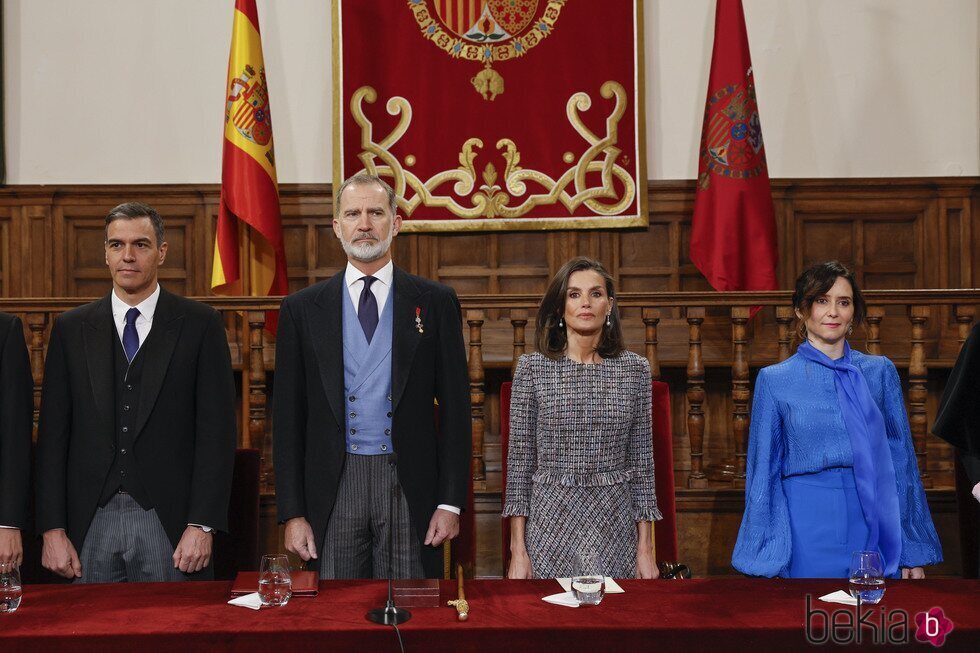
(710, 614)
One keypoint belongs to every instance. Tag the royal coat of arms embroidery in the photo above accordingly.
(731, 145)
(247, 107)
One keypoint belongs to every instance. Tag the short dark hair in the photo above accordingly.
(551, 338)
(133, 210)
(819, 278)
(364, 179)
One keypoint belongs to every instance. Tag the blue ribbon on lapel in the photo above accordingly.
(874, 472)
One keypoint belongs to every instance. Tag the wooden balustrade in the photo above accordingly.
(785, 318)
(695, 397)
(651, 318)
(740, 390)
(918, 375)
(690, 342)
(474, 318)
(518, 320)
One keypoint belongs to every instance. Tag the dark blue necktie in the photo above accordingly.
(367, 309)
(131, 339)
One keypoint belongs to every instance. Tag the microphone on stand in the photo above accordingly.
(391, 615)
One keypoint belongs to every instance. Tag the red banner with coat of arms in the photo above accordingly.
(494, 114)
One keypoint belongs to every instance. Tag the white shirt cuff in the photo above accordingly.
(14, 528)
(455, 510)
(206, 529)
(976, 491)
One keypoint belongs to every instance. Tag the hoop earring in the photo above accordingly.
(561, 322)
(609, 319)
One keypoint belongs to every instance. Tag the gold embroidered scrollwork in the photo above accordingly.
(492, 199)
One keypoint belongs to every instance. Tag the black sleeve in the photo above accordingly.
(971, 464)
(289, 418)
(216, 433)
(53, 434)
(16, 417)
(453, 394)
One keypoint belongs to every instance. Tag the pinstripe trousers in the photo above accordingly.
(356, 544)
(126, 543)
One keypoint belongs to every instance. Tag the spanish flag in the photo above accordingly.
(249, 258)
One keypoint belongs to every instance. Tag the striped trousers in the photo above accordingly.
(126, 543)
(356, 544)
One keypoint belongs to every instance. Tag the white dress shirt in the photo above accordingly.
(354, 279)
(144, 321)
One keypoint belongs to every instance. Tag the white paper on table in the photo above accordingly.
(566, 599)
(251, 601)
(612, 587)
(840, 596)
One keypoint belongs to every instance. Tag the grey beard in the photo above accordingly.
(368, 253)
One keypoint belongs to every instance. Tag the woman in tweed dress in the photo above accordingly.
(580, 462)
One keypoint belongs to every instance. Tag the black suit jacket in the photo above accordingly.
(16, 421)
(958, 417)
(185, 428)
(308, 403)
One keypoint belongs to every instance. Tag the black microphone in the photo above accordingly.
(391, 615)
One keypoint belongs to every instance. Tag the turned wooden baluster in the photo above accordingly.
(37, 322)
(651, 318)
(518, 320)
(258, 400)
(740, 390)
(695, 398)
(874, 317)
(964, 320)
(784, 318)
(918, 375)
(474, 319)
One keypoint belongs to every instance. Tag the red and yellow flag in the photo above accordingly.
(249, 260)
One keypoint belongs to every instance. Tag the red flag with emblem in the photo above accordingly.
(733, 235)
(249, 221)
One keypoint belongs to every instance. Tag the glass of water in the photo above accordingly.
(867, 581)
(275, 583)
(589, 581)
(10, 587)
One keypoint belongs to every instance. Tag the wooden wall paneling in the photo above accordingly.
(8, 231)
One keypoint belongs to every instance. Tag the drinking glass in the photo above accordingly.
(867, 581)
(589, 579)
(275, 583)
(10, 588)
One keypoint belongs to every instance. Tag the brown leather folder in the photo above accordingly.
(305, 583)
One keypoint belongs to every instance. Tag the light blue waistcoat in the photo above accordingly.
(367, 382)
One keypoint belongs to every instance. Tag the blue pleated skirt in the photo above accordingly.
(826, 521)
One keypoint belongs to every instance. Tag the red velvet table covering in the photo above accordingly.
(708, 614)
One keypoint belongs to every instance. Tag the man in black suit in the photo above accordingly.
(958, 422)
(360, 359)
(137, 433)
(16, 417)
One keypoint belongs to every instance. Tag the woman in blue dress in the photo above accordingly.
(830, 467)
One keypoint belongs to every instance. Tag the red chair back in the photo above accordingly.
(665, 530)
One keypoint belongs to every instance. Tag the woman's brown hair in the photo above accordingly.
(549, 334)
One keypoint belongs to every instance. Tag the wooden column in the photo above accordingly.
(964, 320)
(651, 318)
(474, 319)
(874, 317)
(37, 323)
(518, 321)
(918, 375)
(784, 318)
(740, 390)
(695, 398)
(256, 435)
